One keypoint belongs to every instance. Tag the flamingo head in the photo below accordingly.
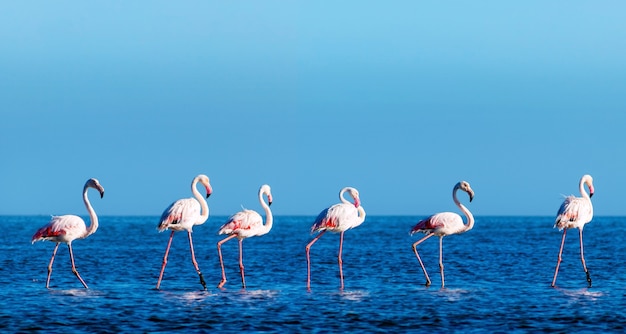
(465, 186)
(355, 194)
(205, 182)
(94, 183)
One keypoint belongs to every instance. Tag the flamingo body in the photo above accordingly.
(575, 212)
(245, 224)
(182, 215)
(443, 224)
(63, 229)
(338, 218)
(440, 224)
(67, 228)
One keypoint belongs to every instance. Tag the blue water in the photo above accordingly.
(498, 278)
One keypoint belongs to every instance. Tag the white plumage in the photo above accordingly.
(575, 212)
(442, 224)
(244, 224)
(182, 215)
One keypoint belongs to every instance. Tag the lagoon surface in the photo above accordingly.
(498, 278)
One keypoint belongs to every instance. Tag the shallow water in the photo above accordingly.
(497, 275)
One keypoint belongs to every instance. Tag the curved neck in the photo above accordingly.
(581, 187)
(92, 215)
(269, 218)
(468, 214)
(204, 207)
(361, 215)
(343, 200)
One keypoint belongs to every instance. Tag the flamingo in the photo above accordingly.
(575, 212)
(67, 228)
(183, 215)
(442, 224)
(337, 218)
(244, 224)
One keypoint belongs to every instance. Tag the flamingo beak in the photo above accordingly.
(209, 191)
(269, 200)
(590, 191)
(471, 195)
(102, 194)
(357, 202)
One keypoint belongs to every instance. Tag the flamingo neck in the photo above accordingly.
(269, 218)
(466, 211)
(343, 200)
(361, 217)
(581, 187)
(92, 215)
(204, 207)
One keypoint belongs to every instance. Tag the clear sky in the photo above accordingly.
(400, 99)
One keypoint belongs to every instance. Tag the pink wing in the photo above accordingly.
(61, 229)
(573, 209)
(179, 212)
(427, 224)
(335, 218)
(439, 221)
(242, 220)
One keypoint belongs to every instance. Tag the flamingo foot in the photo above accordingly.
(427, 283)
(221, 284)
(588, 278)
(202, 280)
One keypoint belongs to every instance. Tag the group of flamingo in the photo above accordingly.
(183, 214)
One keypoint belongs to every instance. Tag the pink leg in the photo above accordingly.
(582, 258)
(195, 263)
(167, 251)
(558, 262)
(308, 259)
(441, 260)
(69, 246)
(340, 260)
(420, 259)
(243, 281)
(54, 252)
(219, 252)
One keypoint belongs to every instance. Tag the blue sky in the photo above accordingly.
(399, 99)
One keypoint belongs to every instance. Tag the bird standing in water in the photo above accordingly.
(68, 228)
(182, 215)
(337, 218)
(575, 212)
(244, 224)
(442, 224)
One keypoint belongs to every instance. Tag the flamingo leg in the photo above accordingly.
(441, 260)
(219, 252)
(167, 251)
(582, 257)
(558, 262)
(419, 258)
(69, 246)
(54, 252)
(308, 259)
(340, 260)
(195, 263)
(243, 280)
